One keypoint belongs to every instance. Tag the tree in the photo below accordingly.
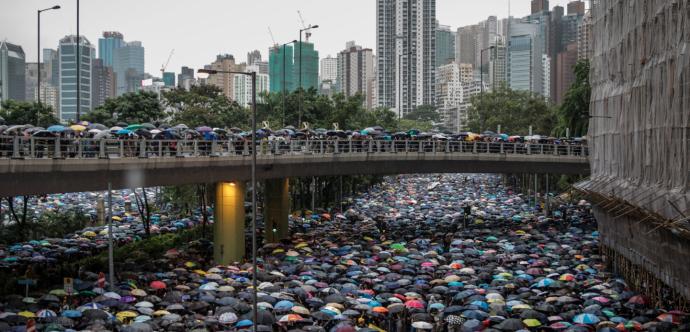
(514, 110)
(22, 112)
(574, 112)
(205, 105)
(131, 107)
(423, 113)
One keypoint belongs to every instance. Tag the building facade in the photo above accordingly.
(242, 86)
(355, 71)
(253, 57)
(406, 51)
(102, 82)
(280, 68)
(185, 79)
(128, 65)
(445, 45)
(565, 76)
(329, 69)
(69, 76)
(226, 82)
(306, 68)
(169, 79)
(466, 44)
(12, 72)
(449, 95)
(107, 45)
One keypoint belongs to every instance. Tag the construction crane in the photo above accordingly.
(304, 26)
(163, 67)
(270, 32)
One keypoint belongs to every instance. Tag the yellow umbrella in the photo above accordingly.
(117, 218)
(189, 264)
(77, 127)
(138, 292)
(27, 314)
(531, 322)
(89, 234)
(161, 313)
(122, 315)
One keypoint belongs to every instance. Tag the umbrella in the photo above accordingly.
(56, 129)
(588, 319)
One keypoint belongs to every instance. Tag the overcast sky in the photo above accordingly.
(200, 29)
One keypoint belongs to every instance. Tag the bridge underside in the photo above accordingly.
(43, 176)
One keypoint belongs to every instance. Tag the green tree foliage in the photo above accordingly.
(205, 105)
(424, 113)
(22, 112)
(514, 110)
(131, 107)
(574, 112)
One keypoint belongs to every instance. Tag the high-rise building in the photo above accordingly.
(253, 57)
(497, 63)
(466, 44)
(102, 82)
(185, 79)
(226, 82)
(406, 53)
(263, 66)
(449, 95)
(329, 69)
(280, 68)
(525, 61)
(565, 76)
(576, 8)
(355, 71)
(242, 86)
(169, 79)
(69, 76)
(546, 76)
(584, 38)
(540, 6)
(308, 64)
(107, 45)
(128, 65)
(12, 72)
(31, 80)
(445, 45)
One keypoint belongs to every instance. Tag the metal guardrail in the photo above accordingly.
(84, 148)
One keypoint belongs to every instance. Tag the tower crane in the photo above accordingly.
(163, 67)
(270, 32)
(304, 26)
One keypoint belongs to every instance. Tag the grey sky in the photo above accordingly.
(200, 29)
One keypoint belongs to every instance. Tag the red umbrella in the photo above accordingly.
(158, 285)
(669, 317)
(415, 304)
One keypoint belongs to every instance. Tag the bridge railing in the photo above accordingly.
(86, 148)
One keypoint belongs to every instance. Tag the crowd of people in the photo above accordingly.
(437, 252)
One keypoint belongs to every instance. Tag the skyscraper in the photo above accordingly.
(107, 45)
(128, 65)
(280, 68)
(576, 7)
(406, 51)
(521, 57)
(355, 71)
(329, 69)
(12, 72)
(445, 45)
(449, 95)
(102, 82)
(309, 65)
(466, 44)
(565, 64)
(225, 62)
(69, 76)
(185, 77)
(253, 57)
(540, 6)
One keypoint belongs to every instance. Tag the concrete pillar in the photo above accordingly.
(100, 211)
(228, 225)
(276, 209)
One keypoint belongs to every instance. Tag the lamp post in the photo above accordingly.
(285, 81)
(38, 52)
(253, 175)
(481, 70)
(299, 118)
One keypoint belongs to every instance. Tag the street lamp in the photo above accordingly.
(38, 52)
(285, 81)
(481, 70)
(299, 118)
(253, 171)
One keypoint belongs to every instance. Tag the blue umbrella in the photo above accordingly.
(71, 313)
(283, 305)
(123, 132)
(244, 323)
(56, 129)
(546, 282)
(586, 319)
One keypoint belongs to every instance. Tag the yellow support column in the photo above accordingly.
(228, 225)
(276, 209)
